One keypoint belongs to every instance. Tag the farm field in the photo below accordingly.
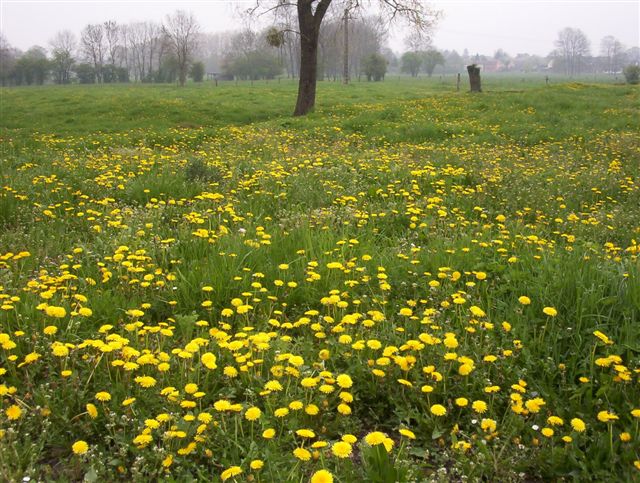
(409, 284)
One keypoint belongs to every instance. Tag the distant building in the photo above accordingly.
(491, 65)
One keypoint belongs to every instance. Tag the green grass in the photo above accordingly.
(67, 110)
(185, 203)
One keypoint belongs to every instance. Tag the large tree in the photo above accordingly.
(181, 30)
(8, 58)
(411, 62)
(249, 56)
(375, 67)
(572, 46)
(63, 47)
(33, 66)
(612, 50)
(430, 59)
(112, 38)
(311, 13)
(366, 36)
(93, 46)
(143, 48)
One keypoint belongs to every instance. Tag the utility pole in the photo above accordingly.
(345, 67)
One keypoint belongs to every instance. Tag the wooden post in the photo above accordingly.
(458, 82)
(474, 77)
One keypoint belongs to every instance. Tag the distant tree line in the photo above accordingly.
(176, 49)
(572, 56)
(108, 52)
(273, 52)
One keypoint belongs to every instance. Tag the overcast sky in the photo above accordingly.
(480, 26)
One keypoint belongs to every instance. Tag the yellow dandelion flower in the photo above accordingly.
(375, 438)
(341, 449)
(407, 433)
(302, 454)
(555, 421)
(281, 412)
(222, 405)
(230, 371)
(296, 405)
(344, 409)
(13, 412)
(479, 406)
(349, 438)
(312, 410)
(57, 312)
(477, 311)
(606, 416)
(305, 433)
(488, 425)
(80, 447)
(438, 410)
(322, 476)
(59, 350)
(208, 360)
(252, 414)
(547, 432)
(273, 386)
(465, 369)
(85, 312)
(145, 381)
(388, 444)
(344, 381)
(230, 473)
(103, 396)
(92, 411)
(602, 337)
(578, 425)
(534, 405)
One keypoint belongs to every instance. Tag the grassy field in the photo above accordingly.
(410, 284)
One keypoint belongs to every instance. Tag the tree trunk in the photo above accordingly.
(308, 76)
(309, 23)
(345, 58)
(308, 72)
(474, 77)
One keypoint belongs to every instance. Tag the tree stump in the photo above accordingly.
(474, 77)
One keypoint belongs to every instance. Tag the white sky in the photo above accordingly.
(481, 26)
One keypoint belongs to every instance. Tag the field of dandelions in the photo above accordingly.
(411, 284)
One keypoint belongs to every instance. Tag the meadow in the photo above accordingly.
(409, 284)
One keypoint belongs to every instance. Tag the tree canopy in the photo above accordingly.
(310, 15)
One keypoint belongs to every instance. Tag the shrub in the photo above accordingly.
(375, 67)
(632, 74)
(197, 169)
(197, 71)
